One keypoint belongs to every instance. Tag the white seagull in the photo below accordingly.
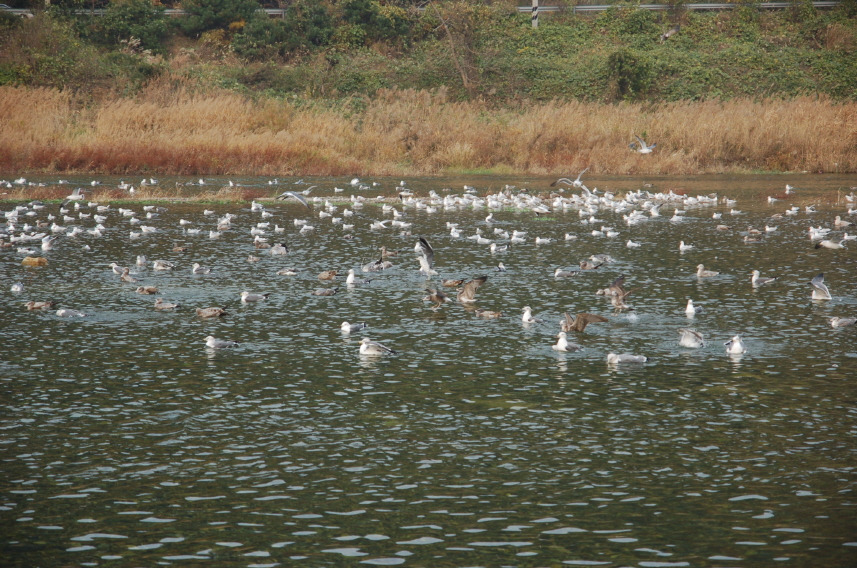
(346, 327)
(735, 346)
(562, 343)
(758, 280)
(614, 359)
(426, 257)
(369, 347)
(702, 273)
(690, 338)
(527, 316)
(251, 297)
(819, 289)
(214, 343)
(641, 147)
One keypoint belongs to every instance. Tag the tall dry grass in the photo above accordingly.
(169, 129)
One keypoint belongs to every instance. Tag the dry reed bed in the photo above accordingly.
(169, 130)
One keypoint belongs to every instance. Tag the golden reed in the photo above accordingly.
(168, 129)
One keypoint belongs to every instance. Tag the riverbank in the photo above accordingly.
(169, 129)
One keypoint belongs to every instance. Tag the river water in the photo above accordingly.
(127, 442)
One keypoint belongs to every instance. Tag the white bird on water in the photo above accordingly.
(690, 338)
(214, 343)
(690, 310)
(369, 347)
(69, 313)
(527, 316)
(819, 288)
(251, 297)
(683, 247)
(614, 359)
(562, 343)
(758, 280)
(735, 346)
(702, 273)
(346, 327)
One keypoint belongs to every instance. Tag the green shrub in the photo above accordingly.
(629, 71)
(47, 52)
(133, 18)
(263, 38)
(204, 15)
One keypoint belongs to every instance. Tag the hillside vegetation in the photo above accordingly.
(383, 87)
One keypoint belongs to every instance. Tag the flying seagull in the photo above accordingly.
(426, 257)
(579, 322)
(574, 183)
(467, 293)
(641, 146)
(298, 196)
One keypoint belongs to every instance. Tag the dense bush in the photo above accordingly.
(629, 71)
(306, 25)
(138, 19)
(43, 51)
(204, 15)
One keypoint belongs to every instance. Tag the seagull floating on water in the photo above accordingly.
(160, 304)
(735, 346)
(213, 312)
(253, 297)
(819, 288)
(69, 313)
(758, 280)
(837, 321)
(527, 316)
(690, 310)
(690, 338)
(614, 359)
(702, 273)
(562, 343)
(346, 327)
(214, 343)
(369, 347)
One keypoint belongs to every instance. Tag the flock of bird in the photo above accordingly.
(37, 223)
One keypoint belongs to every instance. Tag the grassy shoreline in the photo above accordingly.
(169, 129)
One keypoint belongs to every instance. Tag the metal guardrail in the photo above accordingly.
(696, 6)
(280, 12)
